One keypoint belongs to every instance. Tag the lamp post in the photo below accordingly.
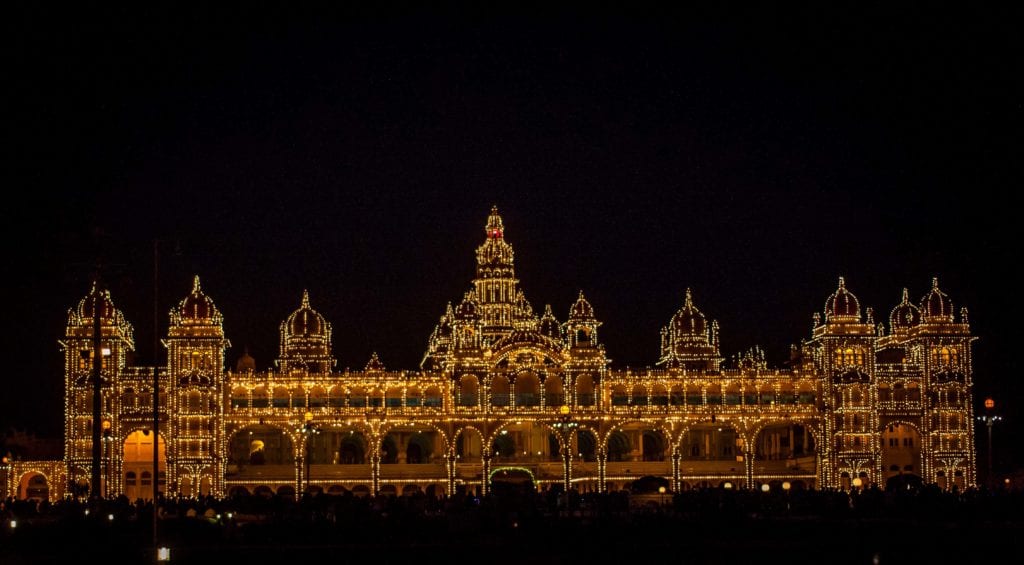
(106, 458)
(989, 418)
(5, 466)
(661, 491)
(566, 426)
(308, 430)
(97, 391)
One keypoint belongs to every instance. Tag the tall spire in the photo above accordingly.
(495, 286)
(495, 227)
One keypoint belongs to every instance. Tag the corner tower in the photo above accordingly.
(195, 352)
(116, 344)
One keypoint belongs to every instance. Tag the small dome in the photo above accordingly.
(374, 364)
(523, 308)
(245, 362)
(197, 307)
(936, 305)
(107, 309)
(549, 326)
(306, 321)
(842, 306)
(905, 315)
(466, 309)
(581, 310)
(689, 320)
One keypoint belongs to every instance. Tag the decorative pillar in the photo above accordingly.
(450, 467)
(375, 471)
(676, 479)
(566, 466)
(485, 477)
(748, 465)
(602, 461)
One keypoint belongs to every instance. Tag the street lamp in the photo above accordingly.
(661, 491)
(565, 427)
(106, 457)
(5, 467)
(307, 430)
(989, 418)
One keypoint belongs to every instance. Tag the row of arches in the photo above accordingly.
(338, 396)
(270, 445)
(733, 394)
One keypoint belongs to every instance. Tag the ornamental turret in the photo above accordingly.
(495, 285)
(306, 341)
(688, 341)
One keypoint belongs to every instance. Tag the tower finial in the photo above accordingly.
(689, 298)
(305, 298)
(842, 282)
(935, 282)
(195, 285)
(906, 296)
(495, 227)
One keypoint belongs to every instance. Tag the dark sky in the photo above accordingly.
(754, 157)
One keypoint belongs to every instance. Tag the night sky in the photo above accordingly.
(752, 157)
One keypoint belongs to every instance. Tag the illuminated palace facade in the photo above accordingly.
(504, 394)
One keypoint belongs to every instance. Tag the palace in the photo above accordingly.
(505, 395)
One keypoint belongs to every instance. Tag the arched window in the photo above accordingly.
(639, 395)
(527, 389)
(499, 391)
(585, 390)
(553, 395)
(432, 397)
(469, 390)
(619, 396)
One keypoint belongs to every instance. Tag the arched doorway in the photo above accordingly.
(901, 454)
(618, 446)
(353, 449)
(512, 481)
(34, 486)
(261, 445)
(137, 469)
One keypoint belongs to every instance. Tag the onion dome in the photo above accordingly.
(936, 305)
(581, 310)
(905, 315)
(549, 326)
(306, 321)
(842, 306)
(108, 312)
(689, 320)
(196, 308)
(374, 364)
(306, 340)
(81, 318)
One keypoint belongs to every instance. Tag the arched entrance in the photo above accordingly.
(34, 486)
(512, 481)
(137, 469)
(901, 454)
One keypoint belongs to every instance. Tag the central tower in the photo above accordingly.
(495, 283)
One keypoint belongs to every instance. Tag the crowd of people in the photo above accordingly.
(710, 522)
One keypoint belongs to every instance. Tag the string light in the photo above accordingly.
(498, 382)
